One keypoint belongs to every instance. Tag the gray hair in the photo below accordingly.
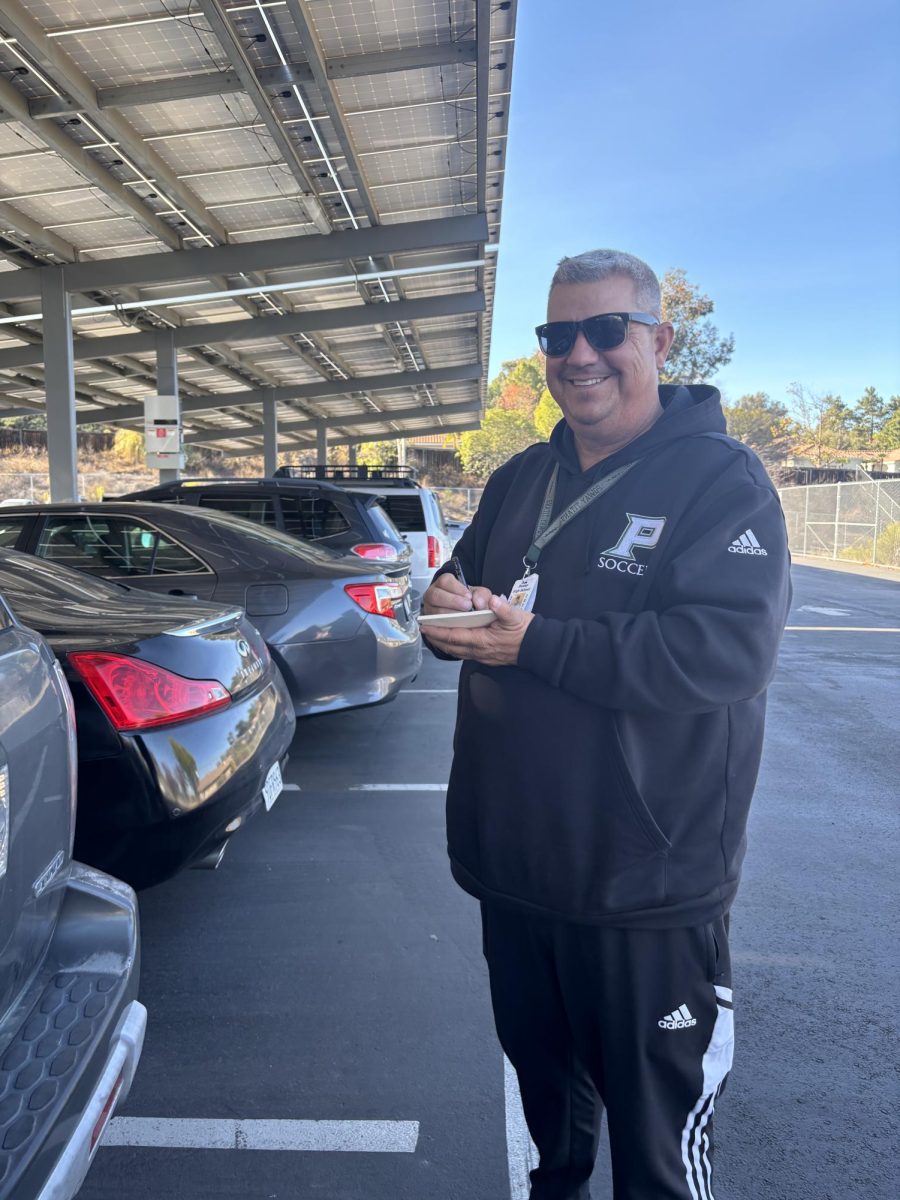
(594, 265)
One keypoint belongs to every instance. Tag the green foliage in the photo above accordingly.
(887, 548)
(888, 436)
(370, 454)
(503, 433)
(546, 415)
(761, 423)
(697, 352)
(128, 447)
(524, 376)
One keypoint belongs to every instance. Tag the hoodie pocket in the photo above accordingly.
(639, 810)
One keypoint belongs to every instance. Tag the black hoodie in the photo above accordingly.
(607, 777)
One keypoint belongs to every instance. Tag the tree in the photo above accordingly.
(546, 415)
(888, 436)
(697, 352)
(128, 447)
(824, 424)
(761, 423)
(518, 385)
(502, 434)
(869, 414)
(372, 454)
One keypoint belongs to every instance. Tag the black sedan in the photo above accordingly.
(341, 630)
(183, 721)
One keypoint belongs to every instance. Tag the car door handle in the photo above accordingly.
(181, 592)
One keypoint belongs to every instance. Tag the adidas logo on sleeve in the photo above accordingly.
(746, 544)
(679, 1019)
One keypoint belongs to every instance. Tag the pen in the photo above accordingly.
(456, 568)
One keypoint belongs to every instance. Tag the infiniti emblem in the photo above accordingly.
(243, 647)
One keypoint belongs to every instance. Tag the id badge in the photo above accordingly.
(523, 592)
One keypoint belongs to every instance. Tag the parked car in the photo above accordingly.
(414, 509)
(349, 523)
(71, 1027)
(341, 630)
(183, 720)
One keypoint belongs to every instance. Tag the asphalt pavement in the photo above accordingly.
(319, 1022)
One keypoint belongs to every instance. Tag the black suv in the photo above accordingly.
(346, 522)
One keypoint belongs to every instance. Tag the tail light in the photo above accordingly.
(138, 695)
(375, 550)
(376, 598)
(434, 551)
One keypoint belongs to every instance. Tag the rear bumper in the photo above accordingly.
(75, 1048)
(170, 797)
(112, 1088)
(366, 669)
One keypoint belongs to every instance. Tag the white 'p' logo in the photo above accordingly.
(640, 531)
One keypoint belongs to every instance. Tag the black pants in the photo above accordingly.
(639, 1021)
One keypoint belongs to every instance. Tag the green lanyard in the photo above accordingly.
(544, 532)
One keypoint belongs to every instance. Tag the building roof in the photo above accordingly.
(169, 126)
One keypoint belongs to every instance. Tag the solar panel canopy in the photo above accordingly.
(337, 164)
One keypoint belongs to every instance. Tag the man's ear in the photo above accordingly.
(663, 336)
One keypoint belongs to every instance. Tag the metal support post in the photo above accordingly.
(875, 530)
(401, 452)
(167, 385)
(837, 519)
(351, 456)
(270, 437)
(322, 442)
(59, 382)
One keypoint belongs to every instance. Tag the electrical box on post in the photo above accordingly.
(162, 432)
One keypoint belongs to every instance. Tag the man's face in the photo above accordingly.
(606, 396)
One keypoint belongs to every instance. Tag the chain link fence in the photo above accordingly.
(34, 487)
(858, 522)
(458, 503)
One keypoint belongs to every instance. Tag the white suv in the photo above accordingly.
(414, 509)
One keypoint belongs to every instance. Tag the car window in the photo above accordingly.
(438, 512)
(383, 523)
(114, 546)
(312, 517)
(406, 511)
(258, 509)
(10, 528)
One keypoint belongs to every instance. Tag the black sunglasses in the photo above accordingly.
(603, 332)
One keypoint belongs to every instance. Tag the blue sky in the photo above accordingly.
(755, 145)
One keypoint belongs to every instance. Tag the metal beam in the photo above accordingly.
(312, 250)
(321, 442)
(69, 77)
(319, 390)
(390, 436)
(59, 375)
(253, 329)
(270, 437)
(217, 83)
(166, 385)
(228, 39)
(324, 389)
(351, 421)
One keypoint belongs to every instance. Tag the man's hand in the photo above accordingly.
(448, 595)
(494, 645)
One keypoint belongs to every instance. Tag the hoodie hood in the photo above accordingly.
(687, 411)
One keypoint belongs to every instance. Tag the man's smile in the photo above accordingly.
(590, 381)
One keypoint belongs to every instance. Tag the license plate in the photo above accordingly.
(273, 785)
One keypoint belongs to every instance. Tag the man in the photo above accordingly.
(608, 740)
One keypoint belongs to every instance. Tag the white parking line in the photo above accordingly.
(398, 787)
(521, 1152)
(428, 691)
(291, 787)
(175, 1133)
